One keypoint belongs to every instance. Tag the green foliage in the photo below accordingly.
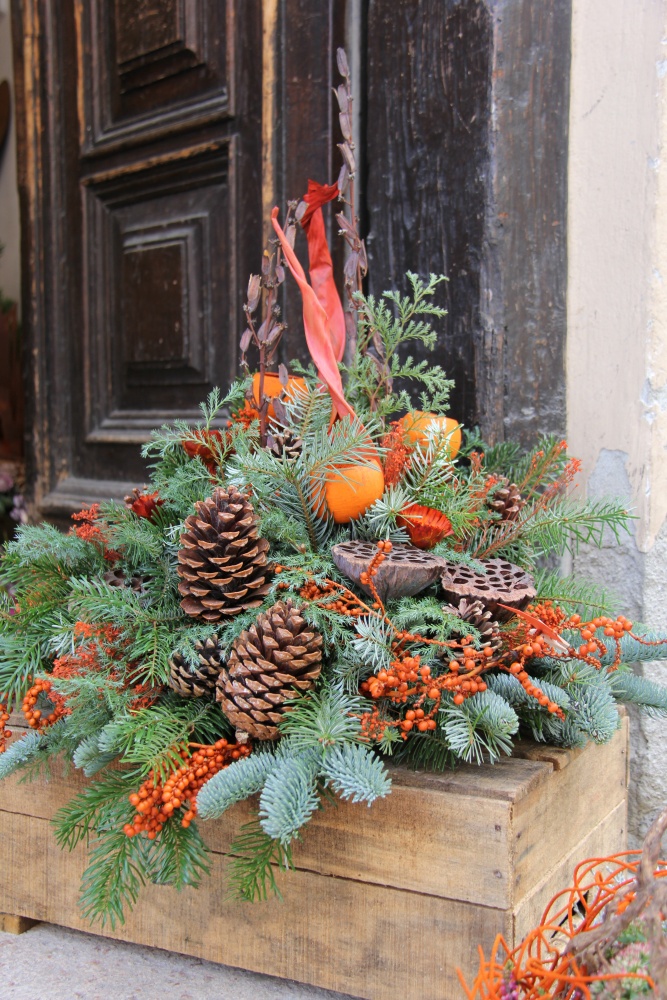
(251, 874)
(329, 743)
(243, 778)
(289, 796)
(150, 737)
(385, 327)
(356, 773)
(322, 719)
(635, 689)
(20, 753)
(481, 727)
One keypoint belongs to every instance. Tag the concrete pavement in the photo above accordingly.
(53, 963)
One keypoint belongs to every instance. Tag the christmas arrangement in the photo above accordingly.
(603, 936)
(324, 575)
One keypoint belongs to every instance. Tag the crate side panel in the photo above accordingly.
(550, 821)
(608, 837)
(363, 939)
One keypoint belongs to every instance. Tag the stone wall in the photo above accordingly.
(617, 317)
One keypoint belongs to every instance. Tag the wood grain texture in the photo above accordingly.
(11, 924)
(112, 147)
(598, 842)
(337, 933)
(454, 858)
(467, 152)
(524, 275)
(427, 138)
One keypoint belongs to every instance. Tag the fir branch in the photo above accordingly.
(632, 688)
(321, 719)
(20, 752)
(251, 874)
(178, 857)
(289, 796)
(115, 874)
(356, 773)
(88, 757)
(430, 751)
(101, 803)
(480, 727)
(149, 737)
(573, 594)
(372, 643)
(593, 710)
(235, 783)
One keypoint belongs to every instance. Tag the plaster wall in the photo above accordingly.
(617, 318)
(10, 263)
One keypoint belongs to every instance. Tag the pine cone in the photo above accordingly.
(506, 500)
(285, 443)
(474, 613)
(222, 562)
(277, 654)
(200, 681)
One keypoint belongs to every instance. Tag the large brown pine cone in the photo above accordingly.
(476, 614)
(199, 681)
(222, 562)
(506, 500)
(279, 655)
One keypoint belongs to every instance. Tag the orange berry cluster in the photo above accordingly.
(4, 719)
(34, 716)
(384, 548)
(156, 803)
(526, 682)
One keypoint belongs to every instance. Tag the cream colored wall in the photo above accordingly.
(617, 315)
(10, 268)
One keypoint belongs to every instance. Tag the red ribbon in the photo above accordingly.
(320, 263)
(317, 326)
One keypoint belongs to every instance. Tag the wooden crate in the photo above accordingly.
(386, 901)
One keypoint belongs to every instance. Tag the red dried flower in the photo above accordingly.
(202, 447)
(425, 526)
(144, 504)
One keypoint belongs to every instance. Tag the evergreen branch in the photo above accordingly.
(113, 878)
(102, 803)
(289, 797)
(251, 874)
(356, 773)
(572, 594)
(149, 737)
(235, 783)
(321, 719)
(629, 687)
(178, 857)
(480, 727)
(88, 757)
(20, 753)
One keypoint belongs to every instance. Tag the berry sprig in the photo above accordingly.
(156, 803)
(4, 719)
(35, 718)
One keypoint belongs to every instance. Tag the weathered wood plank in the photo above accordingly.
(11, 924)
(428, 823)
(608, 837)
(337, 933)
(549, 822)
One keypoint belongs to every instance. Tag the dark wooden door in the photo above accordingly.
(155, 136)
